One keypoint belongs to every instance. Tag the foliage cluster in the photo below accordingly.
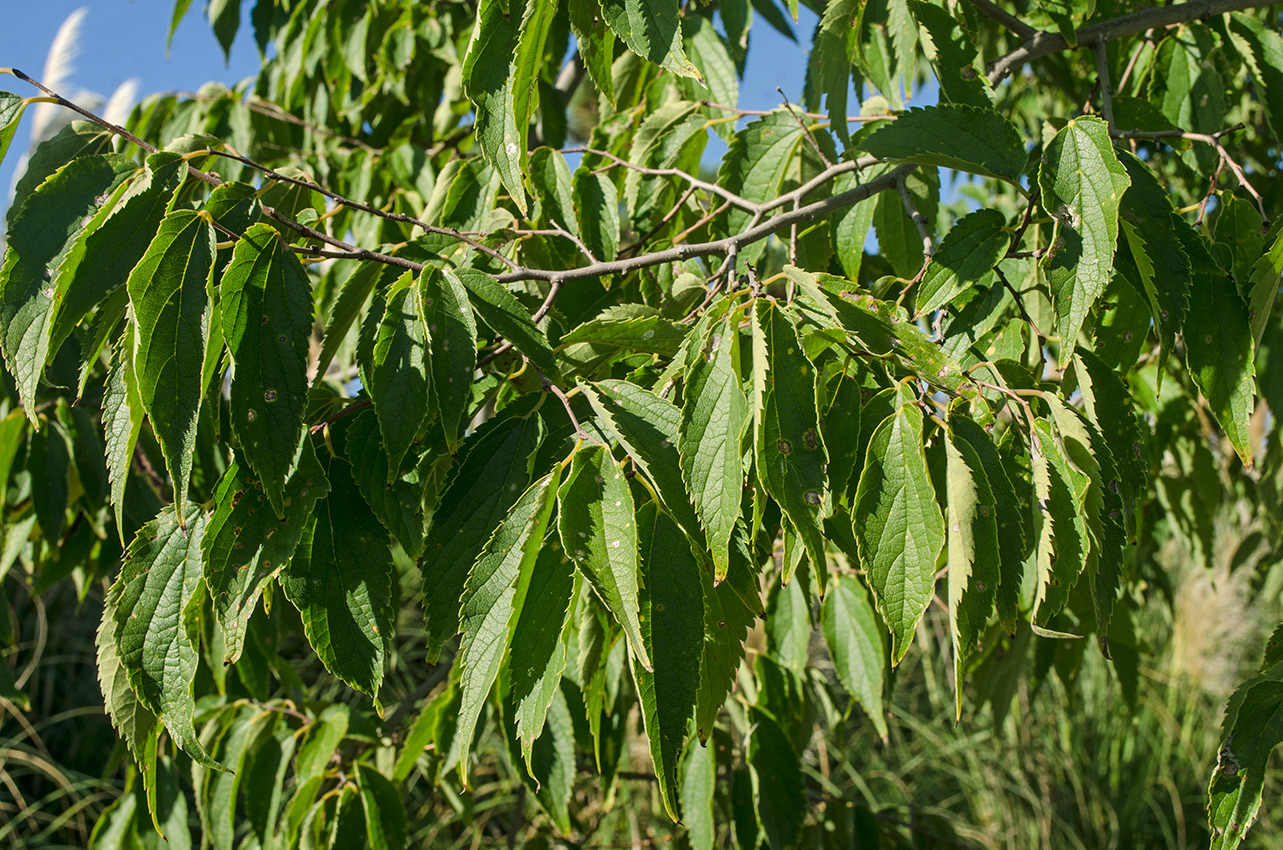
(458, 431)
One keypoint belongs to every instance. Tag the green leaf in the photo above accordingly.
(1058, 524)
(11, 109)
(854, 639)
(77, 139)
(1253, 727)
(112, 244)
(49, 463)
(828, 70)
(501, 75)
(790, 452)
(759, 159)
(1219, 353)
(597, 211)
(246, 544)
(1011, 538)
(170, 299)
(129, 716)
(596, 45)
(877, 327)
(492, 601)
(777, 782)
(598, 529)
(672, 627)
(714, 416)
(1262, 48)
(969, 251)
(788, 614)
(40, 233)
(649, 334)
(396, 372)
(653, 30)
(973, 552)
(699, 783)
(397, 503)
(499, 309)
(347, 306)
(898, 526)
(323, 737)
(122, 419)
(385, 819)
(553, 765)
(718, 80)
(1263, 282)
(340, 580)
(452, 343)
(647, 427)
(1150, 228)
(1081, 181)
(962, 78)
(157, 629)
(538, 655)
(966, 138)
(494, 471)
(267, 321)
(1109, 405)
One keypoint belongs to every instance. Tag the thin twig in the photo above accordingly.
(346, 410)
(272, 174)
(1042, 340)
(579, 243)
(919, 220)
(1008, 20)
(1044, 43)
(805, 129)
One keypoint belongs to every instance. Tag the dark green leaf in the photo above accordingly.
(122, 419)
(714, 416)
(653, 30)
(672, 627)
(1253, 727)
(500, 74)
(452, 341)
(597, 211)
(267, 321)
(598, 529)
(539, 643)
(492, 601)
(1219, 351)
(170, 299)
(973, 552)
(49, 462)
(969, 251)
(790, 453)
(499, 309)
(966, 138)
(494, 471)
(40, 233)
(395, 368)
(246, 543)
(777, 782)
(1082, 182)
(854, 638)
(596, 44)
(340, 579)
(157, 630)
(962, 78)
(397, 503)
(898, 525)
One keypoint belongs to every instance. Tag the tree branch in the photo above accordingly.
(1005, 18)
(1043, 43)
